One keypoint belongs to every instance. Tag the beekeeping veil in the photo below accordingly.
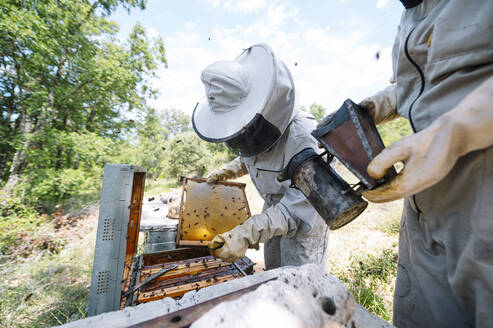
(249, 101)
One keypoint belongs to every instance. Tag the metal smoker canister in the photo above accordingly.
(335, 201)
(352, 137)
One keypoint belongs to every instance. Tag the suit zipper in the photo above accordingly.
(422, 77)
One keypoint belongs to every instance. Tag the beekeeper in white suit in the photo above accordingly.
(443, 73)
(250, 105)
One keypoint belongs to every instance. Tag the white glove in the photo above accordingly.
(232, 245)
(382, 106)
(430, 154)
(232, 170)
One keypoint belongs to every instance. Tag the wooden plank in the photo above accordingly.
(187, 262)
(175, 255)
(186, 317)
(136, 202)
(225, 183)
(182, 289)
(184, 268)
(180, 210)
(186, 273)
(203, 275)
(193, 243)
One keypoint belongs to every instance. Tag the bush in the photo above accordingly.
(187, 154)
(367, 276)
(394, 130)
(17, 221)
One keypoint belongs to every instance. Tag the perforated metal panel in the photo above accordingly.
(119, 203)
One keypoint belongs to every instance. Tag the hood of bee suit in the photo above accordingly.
(249, 101)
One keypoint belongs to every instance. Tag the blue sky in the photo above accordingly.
(329, 46)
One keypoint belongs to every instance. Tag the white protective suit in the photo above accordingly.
(293, 232)
(251, 106)
(307, 238)
(443, 52)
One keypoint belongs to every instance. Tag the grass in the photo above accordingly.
(48, 288)
(51, 287)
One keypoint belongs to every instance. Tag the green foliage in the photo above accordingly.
(68, 88)
(17, 220)
(47, 289)
(174, 122)
(394, 130)
(368, 275)
(152, 135)
(318, 111)
(187, 154)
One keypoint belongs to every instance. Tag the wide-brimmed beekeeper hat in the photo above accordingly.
(249, 101)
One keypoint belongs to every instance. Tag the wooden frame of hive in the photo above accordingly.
(226, 207)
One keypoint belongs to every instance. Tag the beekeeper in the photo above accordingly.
(251, 106)
(443, 71)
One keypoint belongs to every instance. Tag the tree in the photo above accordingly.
(318, 111)
(186, 154)
(152, 135)
(175, 122)
(65, 76)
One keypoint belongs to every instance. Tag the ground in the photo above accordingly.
(51, 285)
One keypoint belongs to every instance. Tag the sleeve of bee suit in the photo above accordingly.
(382, 106)
(232, 245)
(232, 170)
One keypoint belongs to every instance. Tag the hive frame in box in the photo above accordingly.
(118, 270)
(244, 208)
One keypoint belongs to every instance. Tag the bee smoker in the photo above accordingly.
(351, 136)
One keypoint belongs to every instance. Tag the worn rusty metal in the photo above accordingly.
(335, 201)
(207, 210)
(352, 137)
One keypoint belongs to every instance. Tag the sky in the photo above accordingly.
(330, 46)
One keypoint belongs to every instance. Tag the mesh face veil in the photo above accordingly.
(258, 113)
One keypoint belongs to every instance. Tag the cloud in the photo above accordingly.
(382, 3)
(191, 25)
(327, 68)
(214, 3)
(244, 6)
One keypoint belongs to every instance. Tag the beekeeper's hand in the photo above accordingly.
(232, 170)
(430, 154)
(382, 106)
(232, 245)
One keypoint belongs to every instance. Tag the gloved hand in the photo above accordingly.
(232, 170)
(430, 154)
(382, 106)
(232, 245)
